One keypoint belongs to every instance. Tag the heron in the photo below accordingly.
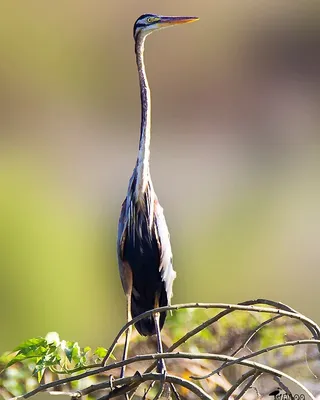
(143, 245)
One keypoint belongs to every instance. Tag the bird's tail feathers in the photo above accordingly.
(146, 326)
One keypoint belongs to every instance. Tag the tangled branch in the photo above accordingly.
(111, 387)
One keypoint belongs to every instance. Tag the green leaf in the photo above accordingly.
(76, 353)
(38, 344)
(100, 352)
(31, 348)
(87, 349)
(51, 351)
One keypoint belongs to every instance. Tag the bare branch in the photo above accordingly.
(283, 386)
(239, 382)
(158, 377)
(258, 353)
(128, 385)
(243, 345)
(173, 388)
(148, 390)
(182, 355)
(245, 306)
(248, 385)
(254, 332)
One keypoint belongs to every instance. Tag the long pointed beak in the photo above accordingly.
(176, 20)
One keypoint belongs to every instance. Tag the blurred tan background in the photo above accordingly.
(234, 158)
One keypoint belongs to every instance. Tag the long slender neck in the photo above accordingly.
(145, 131)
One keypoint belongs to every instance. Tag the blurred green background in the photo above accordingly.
(234, 158)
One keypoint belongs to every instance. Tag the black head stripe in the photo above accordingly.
(140, 22)
(143, 16)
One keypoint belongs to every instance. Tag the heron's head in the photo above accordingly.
(148, 23)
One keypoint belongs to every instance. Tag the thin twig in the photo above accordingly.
(157, 377)
(243, 345)
(283, 387)
(313, 328)
(309, 367)
(255, 331)
(258, 353)
(148, 390)
(161, 389)
(173, 388)
(248, 385)
(132, 393)
(160, 392)
(239, 382)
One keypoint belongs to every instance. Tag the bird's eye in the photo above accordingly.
(150, 19)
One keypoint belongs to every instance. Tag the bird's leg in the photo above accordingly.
(161, 367)
(128, 335)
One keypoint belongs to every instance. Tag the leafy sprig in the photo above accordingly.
(59, 356)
